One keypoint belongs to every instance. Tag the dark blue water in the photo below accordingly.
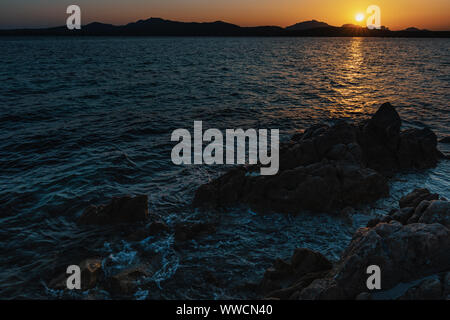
(82, 120)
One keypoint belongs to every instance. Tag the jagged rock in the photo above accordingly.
(91, 274)
(284, 279)
(403, 253)
(120, 210)
(403, 215)
(428, 289)
(417, 149)
(414, 198)
(127, 282)
(322, 289)
(188, 231)
(379, 139)
(306, 261)
(437, 212)
(326, 168)
(321, 186)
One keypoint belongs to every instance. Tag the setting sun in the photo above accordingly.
(359, 17)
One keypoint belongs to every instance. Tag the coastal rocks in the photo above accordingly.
(284, 280)
(326, 168)
(120, 210)
(91, 275)
(319, 187)
(433, 288)
(437, 212)
(387, 150)
(418, 149)
(414, 198)
(413, 257)
(126, 282)
(419, 206)
(403, 253)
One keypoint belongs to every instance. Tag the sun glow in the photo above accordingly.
(359, 17)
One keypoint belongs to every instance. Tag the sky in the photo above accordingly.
(397, 15)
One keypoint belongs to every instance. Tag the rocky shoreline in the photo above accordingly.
(326, 168)
(411, 245)
(322, 169)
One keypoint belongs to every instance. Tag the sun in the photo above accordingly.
(359, 17)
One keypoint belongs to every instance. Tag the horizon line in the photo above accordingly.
(222, 21)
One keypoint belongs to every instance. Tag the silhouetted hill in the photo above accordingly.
(161, 27)
(414, 29)
(306, 25)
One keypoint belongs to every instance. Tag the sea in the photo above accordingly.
(84, 119)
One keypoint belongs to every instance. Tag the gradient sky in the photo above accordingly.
(398, 14)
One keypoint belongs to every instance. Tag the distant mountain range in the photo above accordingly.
(307, 25)
(161, 27)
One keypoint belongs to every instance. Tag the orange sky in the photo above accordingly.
(395, 14)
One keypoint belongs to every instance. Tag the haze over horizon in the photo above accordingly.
(432, 15)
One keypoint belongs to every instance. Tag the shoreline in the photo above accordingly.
(314, 280)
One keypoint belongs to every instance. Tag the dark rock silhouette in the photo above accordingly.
(414, 253)
(120, 210)
(307, 25)
(162, 27)
(284, 278)
(328, 167)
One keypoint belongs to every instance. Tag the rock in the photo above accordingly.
(327, 168)
(414, 198)
(158, 227)
(91, 275)
(403, 253)
(127, 282)
(373, 222)
(445, 140)
(417, 149)
(364, 296)
(188, 231)
(379, 139)
(403, 215)
(428, 289)
(437, 212)
(284, 278)
(306, 261)
(322, 186)
(322, 289)
(385, 123)
(120, 210)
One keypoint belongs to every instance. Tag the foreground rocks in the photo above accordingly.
(405, 251)
(91, 275)
(119, 210)
(328, 167)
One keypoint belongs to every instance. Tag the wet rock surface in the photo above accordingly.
(285, 278)
(405, 251)
(323, 169)
(328, 167)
